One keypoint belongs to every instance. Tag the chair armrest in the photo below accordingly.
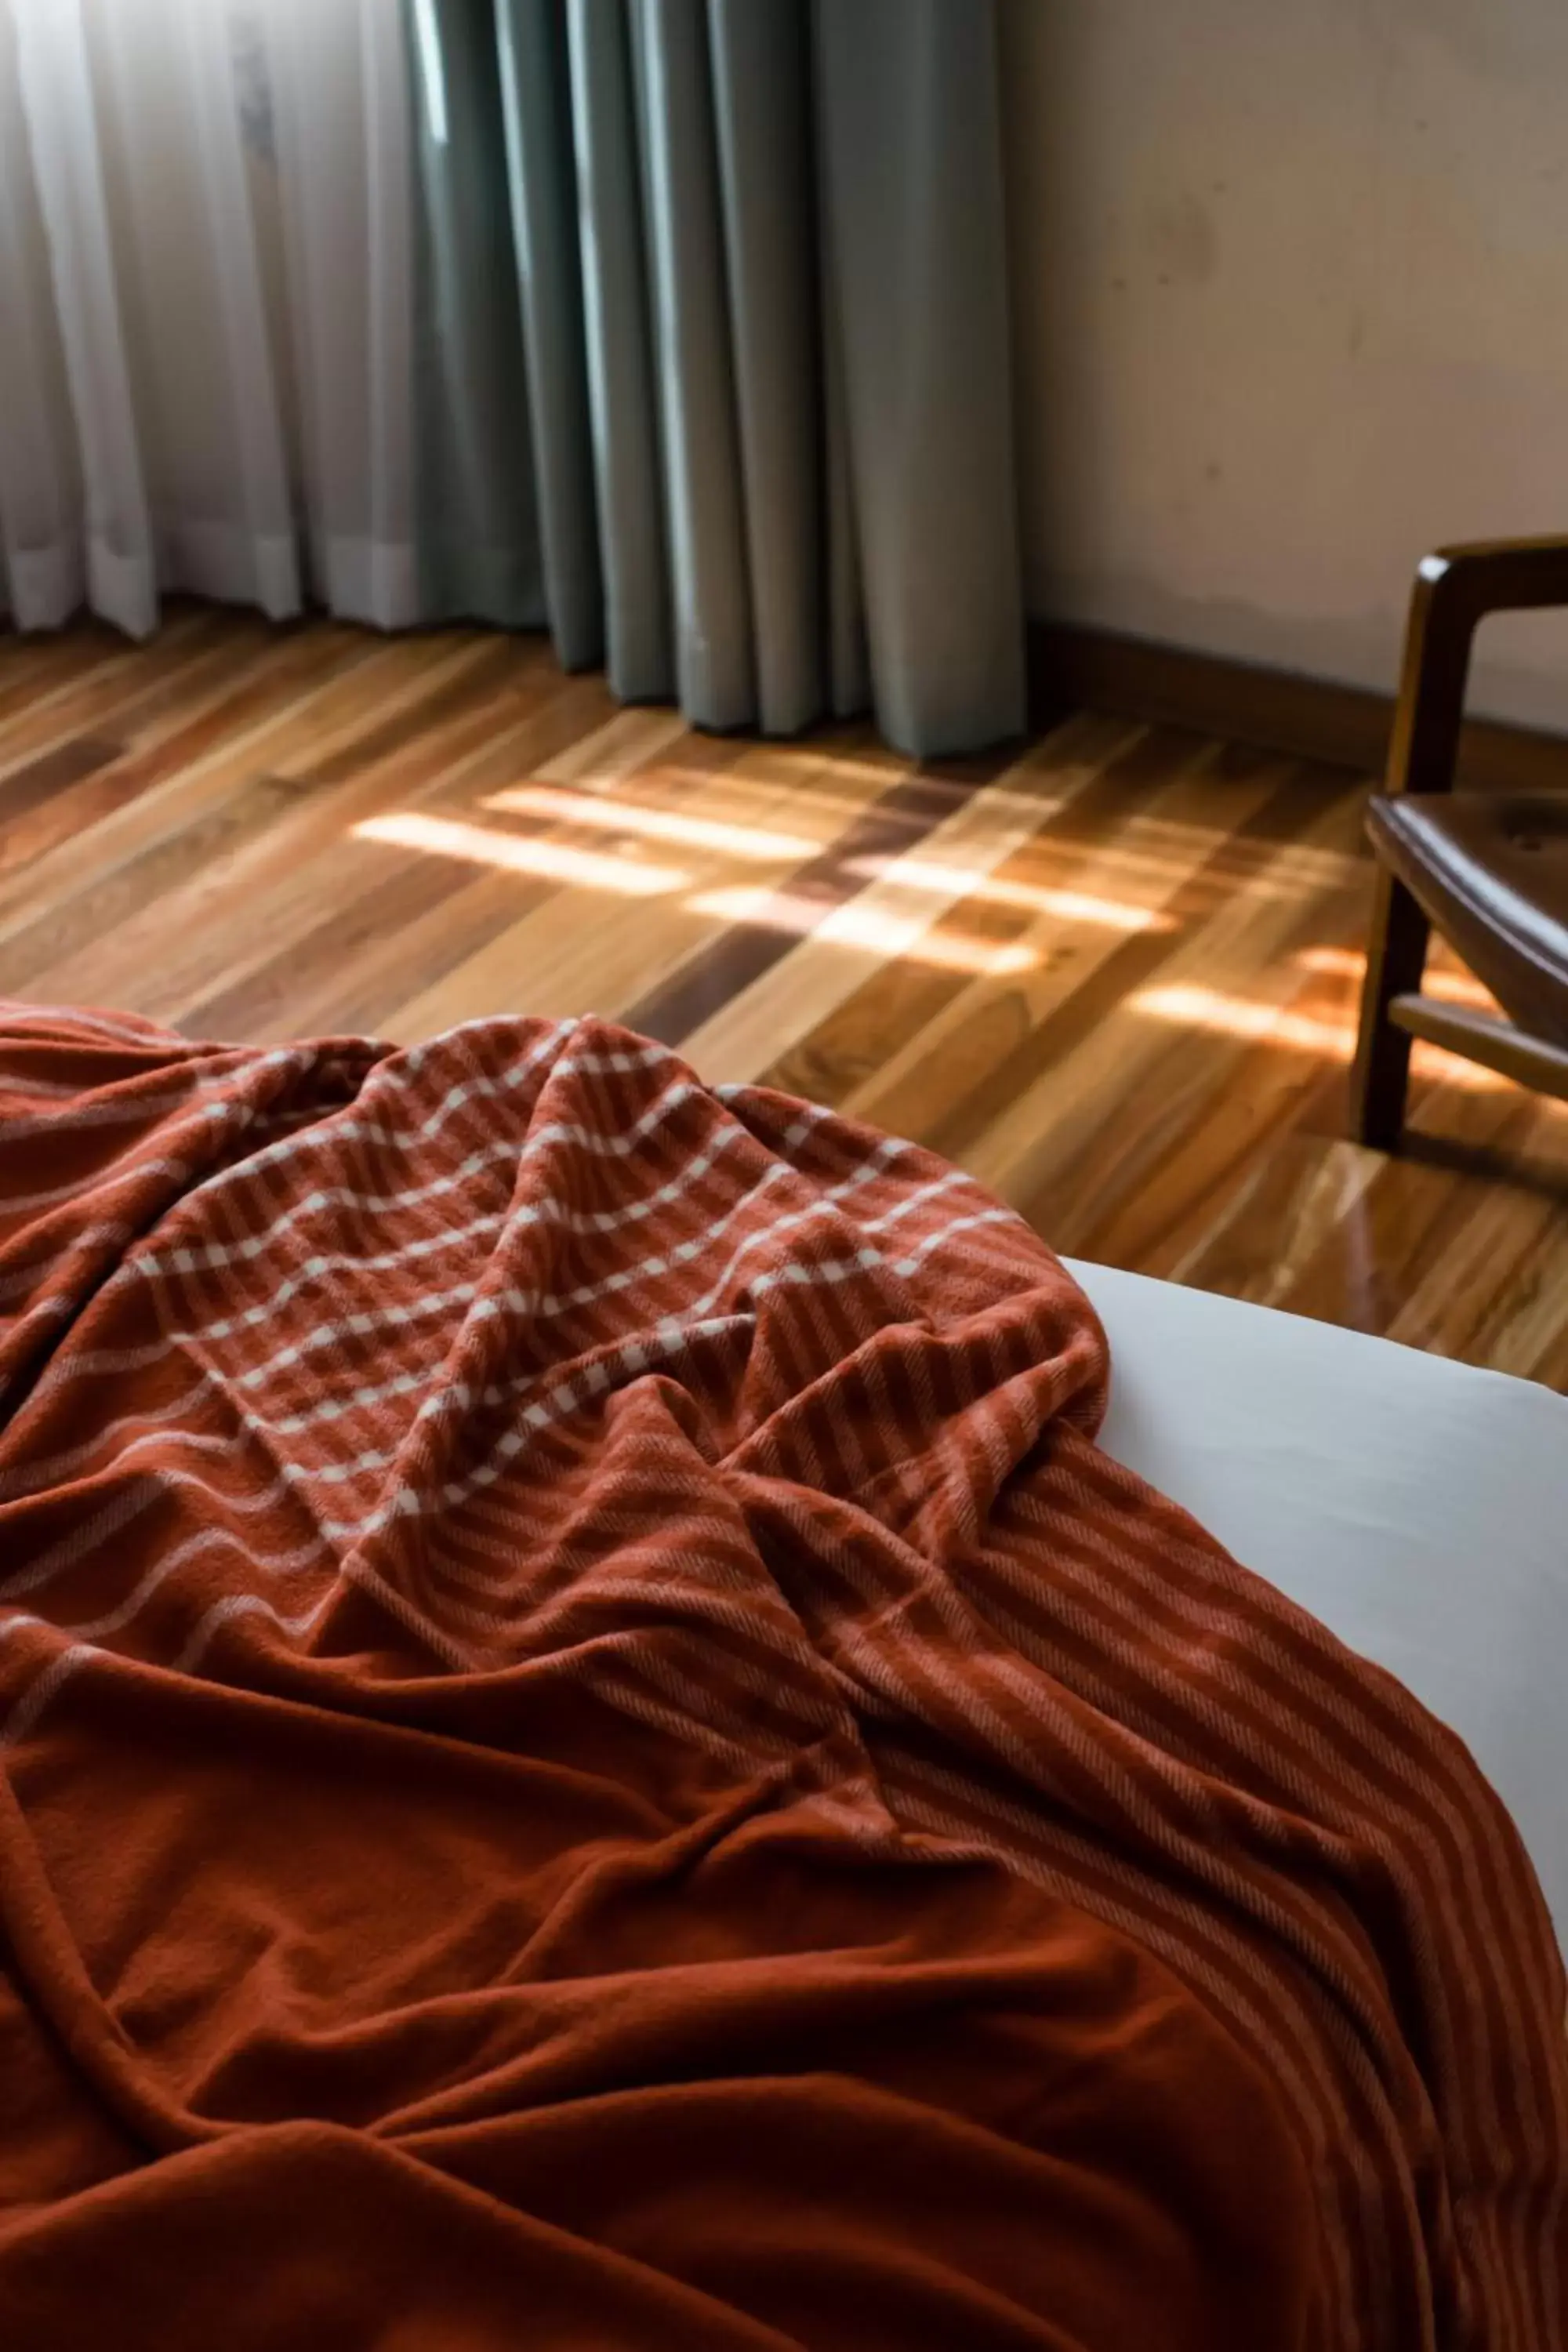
(1454, 589)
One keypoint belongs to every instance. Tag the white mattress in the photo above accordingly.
(1418, 1507)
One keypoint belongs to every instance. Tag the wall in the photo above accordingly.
(1291, 287)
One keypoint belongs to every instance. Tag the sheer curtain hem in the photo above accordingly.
(41, 587)
(231, 565)
(122, 588)
(371, 580)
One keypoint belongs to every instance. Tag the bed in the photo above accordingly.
(1417, 1506)
(618, 1721)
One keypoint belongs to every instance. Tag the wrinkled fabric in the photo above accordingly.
(594, 1755)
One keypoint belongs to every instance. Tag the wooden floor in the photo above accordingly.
(1115, 974)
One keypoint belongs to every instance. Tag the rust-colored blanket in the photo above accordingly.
(593, 1756)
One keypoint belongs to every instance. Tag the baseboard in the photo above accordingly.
(1346, 726)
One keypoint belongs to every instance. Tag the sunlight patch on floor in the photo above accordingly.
(1273, 1024)
(552, 861)
(751, 842)
(1450, 987)
(1242, 1016)
(1029, 898)
(855, 926)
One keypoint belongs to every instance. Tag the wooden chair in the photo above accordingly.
(1489, 869)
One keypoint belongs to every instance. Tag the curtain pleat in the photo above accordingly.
(622, 369)
(915, 232)
(758, 424)
(714, 677)
(329, 143)
(762, 98)
(479, 542)
(42, 570)
(537, 107)
(117, 557)
(256, 547)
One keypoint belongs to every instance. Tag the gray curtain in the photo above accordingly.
(713, 365)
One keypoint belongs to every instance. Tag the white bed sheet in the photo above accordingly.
(1417, 1506)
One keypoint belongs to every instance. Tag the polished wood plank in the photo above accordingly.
(1114, 972)
(265, 823)
(919, 1033)
(556, 962)
(214, 699)
(32, 668)
(340, 677)
(111, 687)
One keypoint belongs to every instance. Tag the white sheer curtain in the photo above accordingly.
(204, 308)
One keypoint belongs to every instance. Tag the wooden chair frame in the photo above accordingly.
(1454, 589)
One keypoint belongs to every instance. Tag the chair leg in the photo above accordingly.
(1396, 958)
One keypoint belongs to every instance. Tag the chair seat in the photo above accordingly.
(1491, 871)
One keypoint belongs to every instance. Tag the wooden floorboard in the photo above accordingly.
(1114, 972)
